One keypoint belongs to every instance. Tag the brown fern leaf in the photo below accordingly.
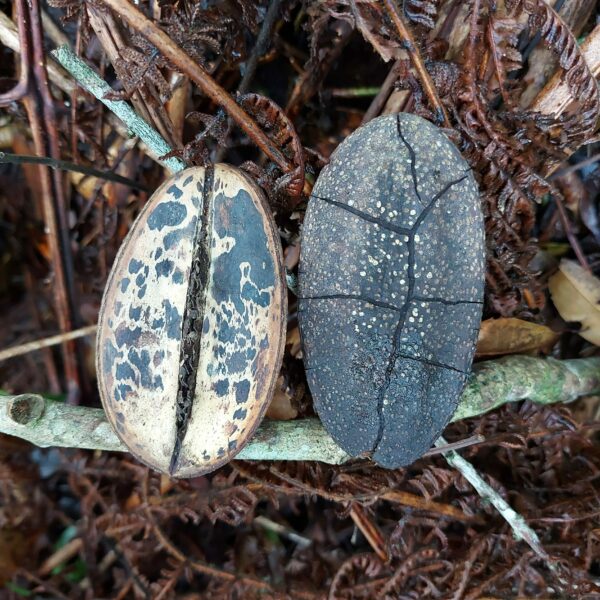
(215, 32)
(198, 31)
(375, 25)
(503, 36)
(505, 156)
(74, 10)
(433, 481)
(355, 578)
(423, 12)
(234, 507)
(582, 83)
(344, 483)
(478, 554)
(411, 528)
(287, 190)
(366, 484)
(164, 588)
(421, 573)
(197, 151)
(141, 63)
(215, 126)
(322, 17)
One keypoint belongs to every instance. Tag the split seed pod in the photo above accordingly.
(192, 323)
(391, 287)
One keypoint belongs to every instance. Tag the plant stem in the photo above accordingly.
(417, 61)
(517, 523)
(65, 165)
(53, 340)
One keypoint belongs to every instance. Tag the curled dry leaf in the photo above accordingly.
(513, 336)
(576, 295)
(281, 407)
(376, 28)
(280, 130)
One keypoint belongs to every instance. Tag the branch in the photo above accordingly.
(172, 52)
(88, 79)
(49, 423)
(417, 61)
(53, 340)
(65, 165)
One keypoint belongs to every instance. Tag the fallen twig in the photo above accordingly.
(519, 526)
(49, 423)
(52, 340)
(66, 165)
(157, 146)
(415, 57)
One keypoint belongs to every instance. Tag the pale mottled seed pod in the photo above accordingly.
(391, 287)
(192, 323)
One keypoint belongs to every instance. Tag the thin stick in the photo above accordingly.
(573, 241)
(65, 165)
(574, 167)
(383, 93)
(417, 61)
(171, 51)
(521, 530)
(260, 47)
(370, 530)
(46, 342)
(41, 113)
(492, 384)
(87, 78)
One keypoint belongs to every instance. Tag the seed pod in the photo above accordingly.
(192, 323)
(391, 287)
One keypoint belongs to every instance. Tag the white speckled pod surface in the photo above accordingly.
(192, 324)
(391, 287)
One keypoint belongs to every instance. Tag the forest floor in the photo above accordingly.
(511, 83)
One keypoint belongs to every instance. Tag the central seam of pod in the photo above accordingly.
(193, 318)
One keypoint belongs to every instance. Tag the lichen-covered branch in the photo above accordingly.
(49, 423)
(545, 381)
(157, 146)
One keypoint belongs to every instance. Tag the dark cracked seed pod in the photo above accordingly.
(391, 287)
(192, 323)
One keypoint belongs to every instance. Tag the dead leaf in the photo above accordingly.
(15, 552)
(294, 343)
(281, 407)
(513, 336)
(576, 295)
